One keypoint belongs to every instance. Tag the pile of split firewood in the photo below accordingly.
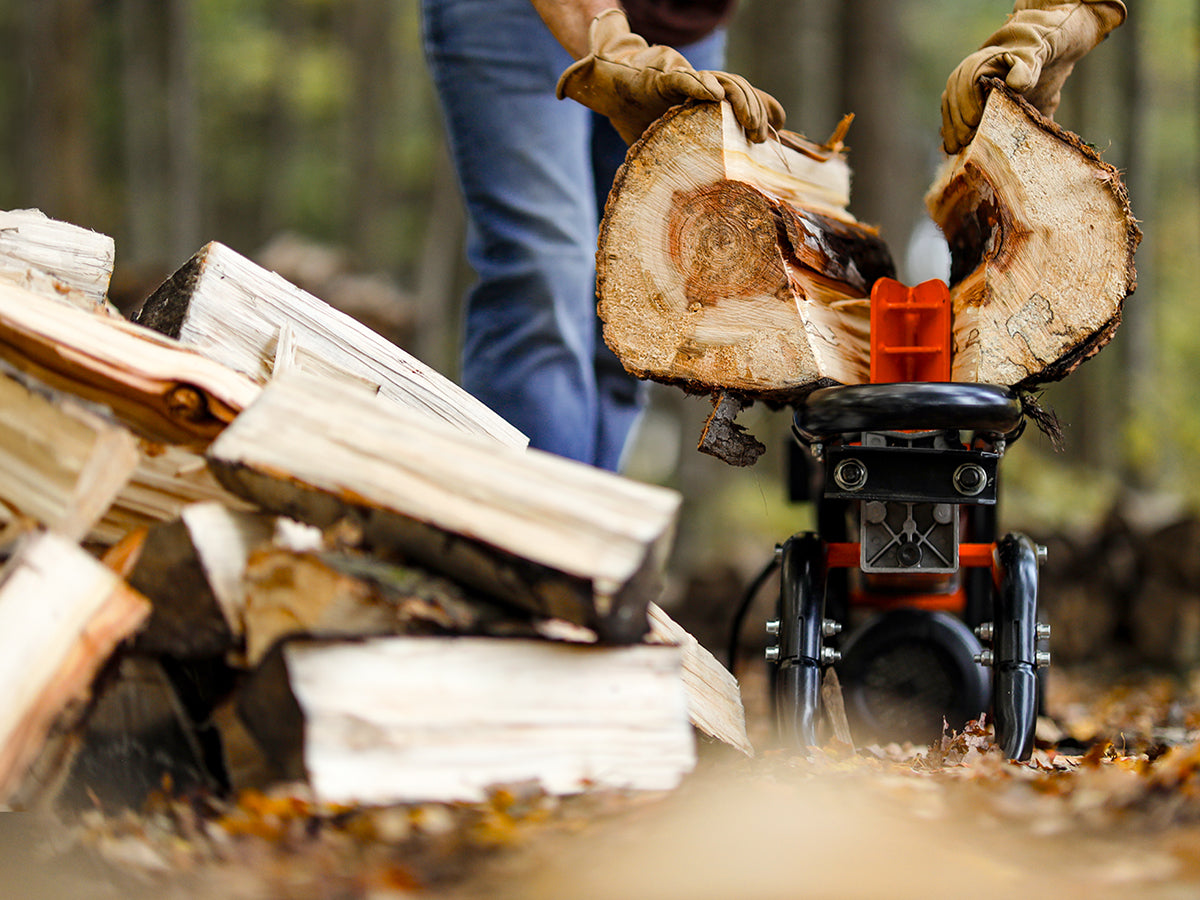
(247, 538)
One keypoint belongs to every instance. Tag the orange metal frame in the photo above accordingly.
(910, 341)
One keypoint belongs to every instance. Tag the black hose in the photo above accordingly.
(739, 619)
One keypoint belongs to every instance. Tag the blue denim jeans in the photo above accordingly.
(534, 172)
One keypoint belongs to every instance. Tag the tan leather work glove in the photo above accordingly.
(1033, 53)
(633, 83)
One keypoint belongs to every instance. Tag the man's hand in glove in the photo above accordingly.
(633, 83)
(1033, 53)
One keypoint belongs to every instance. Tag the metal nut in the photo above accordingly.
(772, 654)
(985, 658)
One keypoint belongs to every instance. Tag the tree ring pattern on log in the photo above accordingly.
(723, 239)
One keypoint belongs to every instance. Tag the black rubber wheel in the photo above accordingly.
(796, 685)
(1014, 642)
(906, 671)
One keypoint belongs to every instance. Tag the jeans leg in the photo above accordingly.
(523, 163)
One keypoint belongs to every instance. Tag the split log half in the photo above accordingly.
(714, 697)
(54, 257)
(61, 465)
(556, 537)
(403, 719)
(62, 613)
(1042, 243)
(727, 265)
(256, 322)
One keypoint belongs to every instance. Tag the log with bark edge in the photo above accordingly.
(156, 386)
(62, 613)
(701, 243)
(730, 266)
(256, 322)
(1042, 243)
(559, 538)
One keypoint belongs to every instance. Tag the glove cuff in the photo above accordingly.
(1111, 13)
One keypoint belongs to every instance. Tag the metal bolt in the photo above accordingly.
(1043, 631)
(1042, 659)
(778, 552)
(773, 626)
(985, 658)
(985, 631)
(772, 654)
(1042, 554)
(850, 474)
(829, 656)
(817, 449)
(830, 627)
(970, 479)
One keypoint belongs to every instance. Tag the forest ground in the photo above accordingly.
(1109, 806)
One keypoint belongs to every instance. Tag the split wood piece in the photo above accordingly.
(404, 719)
(157, 387)
(234, 311)
(1042, 244)
(56, 258)
(334, 594)
(61, 465)
(62, 613)
(713, 695)
(167, 480)
(136, 737)
(727, 265)
(187, 621)
(556, 537)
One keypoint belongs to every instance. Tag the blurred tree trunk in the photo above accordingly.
(368, 28)
(790, 51)
(282, 131)
(1105, 101)
(185, 213)
(58, 159)
(884, 150)
(141, 102)
(1139, 360)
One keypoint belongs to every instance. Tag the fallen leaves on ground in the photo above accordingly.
(1108, 805)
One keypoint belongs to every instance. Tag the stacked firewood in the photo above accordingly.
(248, 538)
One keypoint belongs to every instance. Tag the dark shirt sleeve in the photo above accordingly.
(677, 22)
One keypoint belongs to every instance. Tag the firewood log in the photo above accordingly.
(558, 538)
(158, 388)
(245, 317)
(56, 258)
(726, 265)
(1042, 242)
(61, 465)
(400, 719)
(734, 269)
(62, 613)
